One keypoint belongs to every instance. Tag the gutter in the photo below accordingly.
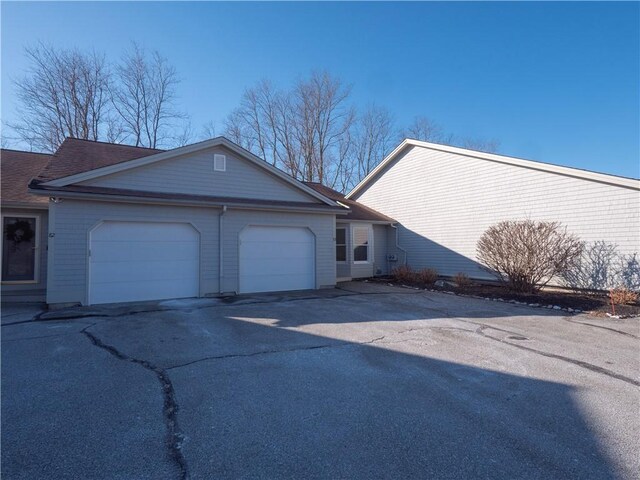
(195, 203)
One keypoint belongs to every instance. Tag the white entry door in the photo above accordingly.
(276, 259)
(136, 261)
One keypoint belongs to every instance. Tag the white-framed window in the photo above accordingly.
(341, 244)
(20, 242)
(362, 241)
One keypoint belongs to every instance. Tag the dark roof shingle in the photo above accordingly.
(357, 210)
(78, 156)
(17, 170)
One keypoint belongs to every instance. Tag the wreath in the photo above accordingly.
(19, 231)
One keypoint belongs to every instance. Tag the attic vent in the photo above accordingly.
(219, 163)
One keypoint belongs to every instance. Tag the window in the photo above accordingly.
(19, 241)
(341, 244)
(361, 244)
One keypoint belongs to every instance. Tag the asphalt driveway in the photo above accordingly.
(364, 382)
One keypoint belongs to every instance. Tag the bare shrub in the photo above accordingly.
(527, 254)
(622, 296)
(404, 274)
(427, 276)
(462, 280)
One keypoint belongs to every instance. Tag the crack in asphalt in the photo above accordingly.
(627, 334)
(579, 363)
(170, 408)
(276, 351)
(239, 302)
(35, 318)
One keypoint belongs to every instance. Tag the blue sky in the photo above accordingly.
(555, 82)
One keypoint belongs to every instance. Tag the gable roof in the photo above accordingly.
(357, 211)
(492, 157)
(68, 163)
(16, 170)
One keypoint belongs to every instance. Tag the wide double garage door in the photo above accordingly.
(137, 261)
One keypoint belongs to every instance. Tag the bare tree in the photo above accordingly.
(144, 97)
(489, 146)
(373, 139)
(64, 94)
(303, 130)
(208, 130)
(184, 136)
(426, 130)
(327, 119)
(528, 254)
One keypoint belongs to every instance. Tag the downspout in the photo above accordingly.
(395, 226)
(220, 247)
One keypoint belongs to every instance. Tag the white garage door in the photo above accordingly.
(143, 261)
(276, 259)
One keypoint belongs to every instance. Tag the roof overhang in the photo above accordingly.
(188, 149)
(115, 195)
(408, 143)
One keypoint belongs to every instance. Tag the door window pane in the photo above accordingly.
(341, 244)
(18, 249)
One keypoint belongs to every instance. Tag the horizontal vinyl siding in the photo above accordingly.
(322, 226)
(72, 220)
(194, 174)
(380, 237)
(443, 203)
(42, 250)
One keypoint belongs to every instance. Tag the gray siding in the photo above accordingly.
(321, 225)
(71, 221)
(194, 174)
(31, 291)
(380, 245)
(74, 219)
(444, 202)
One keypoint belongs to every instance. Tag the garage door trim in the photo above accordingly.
(278, 225)
(137, 221)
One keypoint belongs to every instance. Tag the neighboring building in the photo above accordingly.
(130, 224)
(444, 198)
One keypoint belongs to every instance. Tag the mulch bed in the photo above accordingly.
(594, 304)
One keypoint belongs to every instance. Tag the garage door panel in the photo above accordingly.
(146, 261)
(276, 259)
(274, 250)
(115, 272)
(138, 251)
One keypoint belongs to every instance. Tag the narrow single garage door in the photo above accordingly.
(276, 259)
(143, 261)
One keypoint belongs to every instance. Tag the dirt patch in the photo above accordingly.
(594, 304)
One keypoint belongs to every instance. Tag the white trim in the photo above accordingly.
(370, 253)
(531, 164)
(36, 248)
(188, 149)
(345, 244)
